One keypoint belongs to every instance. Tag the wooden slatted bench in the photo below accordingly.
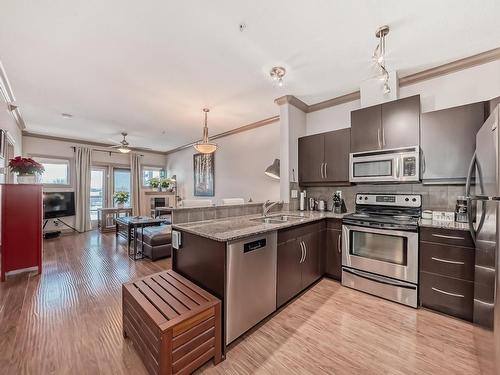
(174, 325)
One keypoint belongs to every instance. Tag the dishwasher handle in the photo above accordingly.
(254, 245)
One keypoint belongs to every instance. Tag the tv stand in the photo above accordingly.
(60, 221)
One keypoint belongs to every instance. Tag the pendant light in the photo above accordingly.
(204, 146)
(274, 169)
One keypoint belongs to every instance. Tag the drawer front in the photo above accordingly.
(452, 261)
(287, 234)
(334, 224)
(447, 295)
(446, 236)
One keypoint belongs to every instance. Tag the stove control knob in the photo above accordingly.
(360, 197)
(407, 199)
(366, 198)
(414, 200)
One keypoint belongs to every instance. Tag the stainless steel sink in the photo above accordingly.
(279, 218)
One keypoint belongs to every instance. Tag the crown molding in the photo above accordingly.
(241, 129)
(451, 67)
(85, 142)
(293, 100)
(441, 70)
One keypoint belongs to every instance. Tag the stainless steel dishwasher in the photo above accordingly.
(250, 282)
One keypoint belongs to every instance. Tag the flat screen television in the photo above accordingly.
(58, 204)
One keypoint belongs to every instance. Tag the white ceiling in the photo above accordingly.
(150, 66)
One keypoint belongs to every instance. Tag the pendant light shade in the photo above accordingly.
(205, 147)
(274, 169)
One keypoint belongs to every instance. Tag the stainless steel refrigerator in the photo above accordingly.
(485, 230)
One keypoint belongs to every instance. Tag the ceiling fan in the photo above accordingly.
(123, 146)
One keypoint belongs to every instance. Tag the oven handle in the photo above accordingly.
(378, 280)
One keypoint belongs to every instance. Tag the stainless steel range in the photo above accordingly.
(380, 246)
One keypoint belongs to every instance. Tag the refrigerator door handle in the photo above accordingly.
(469, 200)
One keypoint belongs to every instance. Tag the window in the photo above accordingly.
(121, 182)
(57, 171)
(150, 172)
(97, 190)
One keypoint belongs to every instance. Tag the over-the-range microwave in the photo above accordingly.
(395, 165)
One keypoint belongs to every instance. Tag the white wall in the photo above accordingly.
(471, 85)
(240, 162)
(34, 146)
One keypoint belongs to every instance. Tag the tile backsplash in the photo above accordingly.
(434, 197)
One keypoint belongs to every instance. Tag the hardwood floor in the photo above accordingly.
(68, 321)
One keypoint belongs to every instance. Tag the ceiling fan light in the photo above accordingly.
(124, 150)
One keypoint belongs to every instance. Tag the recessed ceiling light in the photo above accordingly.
(67, 115)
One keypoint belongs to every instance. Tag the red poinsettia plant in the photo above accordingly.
(25, 166)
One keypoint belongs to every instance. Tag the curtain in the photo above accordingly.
(136, 177)
(83, 162)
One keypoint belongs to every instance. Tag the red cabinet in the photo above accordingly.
(21, 227)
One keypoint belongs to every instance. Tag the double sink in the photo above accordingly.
(279, 218)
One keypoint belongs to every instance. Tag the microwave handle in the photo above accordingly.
(398, 167)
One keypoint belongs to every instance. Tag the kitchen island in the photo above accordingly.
(255, 264)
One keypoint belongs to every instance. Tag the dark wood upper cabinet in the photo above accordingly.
(389, 125)
(366, 129)
(325, 157)
(449, 141)
(337, 149)
(311, 158)
(401, 123)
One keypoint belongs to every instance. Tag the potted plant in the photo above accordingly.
(27, 169)
(154, 183)
(121, 197)
(164, 184)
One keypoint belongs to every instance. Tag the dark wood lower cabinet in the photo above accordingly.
(300, 259)
(448, 295)
(333, 249)
(289, 271)
(447, 271)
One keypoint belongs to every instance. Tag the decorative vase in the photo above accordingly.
(26, 179)
(163, 189)
(121, 205)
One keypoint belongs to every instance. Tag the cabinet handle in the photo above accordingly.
(302, 252)
(447, 261)
(326, 174)
(378, 138)
(339, 244)
(448, 293)
(383, 137)
(448, 237)
(321, 170)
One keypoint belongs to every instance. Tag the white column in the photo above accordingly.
(292, 126)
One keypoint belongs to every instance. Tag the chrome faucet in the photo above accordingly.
(266, 207)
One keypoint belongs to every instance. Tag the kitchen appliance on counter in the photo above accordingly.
(394, 165)
(380, 246)
(461, 215)
(484, 229)
(250, 283)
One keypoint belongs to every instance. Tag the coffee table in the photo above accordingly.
(127, 227)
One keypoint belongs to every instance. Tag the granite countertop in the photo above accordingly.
(443, 224)
(233, 228)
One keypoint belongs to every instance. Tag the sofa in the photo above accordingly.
(156, 242)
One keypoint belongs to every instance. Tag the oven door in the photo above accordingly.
(389, 253)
